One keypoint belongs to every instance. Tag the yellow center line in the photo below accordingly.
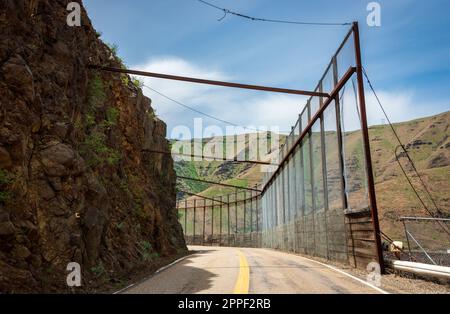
(243, 280)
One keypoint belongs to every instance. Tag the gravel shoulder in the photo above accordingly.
(392, 282)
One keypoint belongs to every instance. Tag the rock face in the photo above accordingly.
(76, 181)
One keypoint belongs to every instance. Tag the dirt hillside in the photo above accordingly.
(428, 142)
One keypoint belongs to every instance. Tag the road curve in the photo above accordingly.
(214, 270)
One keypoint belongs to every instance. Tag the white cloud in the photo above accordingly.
(400, 106)
(240, 107)
(181, 91)
(275, 110)
(193, 95)
(256, 109)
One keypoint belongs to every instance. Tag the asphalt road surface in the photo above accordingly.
(214, 270)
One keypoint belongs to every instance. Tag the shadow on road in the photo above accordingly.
(179, 279)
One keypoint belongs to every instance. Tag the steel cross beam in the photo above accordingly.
(210, 82)
(218, 183)
(200, 196)
(256, 162)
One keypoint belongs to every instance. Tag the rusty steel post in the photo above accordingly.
(312, 181)
(245, 212)
(209, 82)
(281, 235)
(407, 240)
(324, 170)
(287, 191)
(251, 212)
(325, 183)
(195, 214)
(220, 221)
(366, 140)
(185, 218)
(236, 210)
(204, 221)
(229, 222)
(257, 213)
(178, 211)
(337, 102)
(302, 167)
(212, 222)
(340, 143)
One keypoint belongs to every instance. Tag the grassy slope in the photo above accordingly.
(240, 174)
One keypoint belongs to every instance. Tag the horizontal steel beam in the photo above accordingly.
(211, 158)
(220, 184)
(210, 82)
(256, 197)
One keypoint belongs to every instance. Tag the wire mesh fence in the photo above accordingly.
(320, 199)
(317, 202)
(230, 220)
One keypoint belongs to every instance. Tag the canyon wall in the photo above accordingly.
(77, 183)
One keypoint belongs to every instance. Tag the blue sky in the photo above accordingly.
(408, 57)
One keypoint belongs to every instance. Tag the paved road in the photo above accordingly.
(214, 270)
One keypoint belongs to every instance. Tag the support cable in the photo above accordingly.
(257, 19)
(235, 160)
(205, 114)
(218, 183)
(402, 146)
(412, 258)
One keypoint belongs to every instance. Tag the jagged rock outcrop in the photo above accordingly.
(76, 181)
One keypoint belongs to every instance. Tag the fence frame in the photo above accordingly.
(318, 116)
(283, 210)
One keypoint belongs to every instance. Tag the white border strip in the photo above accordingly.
(155, 273)
(348, 275)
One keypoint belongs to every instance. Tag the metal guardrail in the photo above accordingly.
(426, 270)
(422, 243)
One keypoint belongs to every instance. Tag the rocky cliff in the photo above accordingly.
(77, 184)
